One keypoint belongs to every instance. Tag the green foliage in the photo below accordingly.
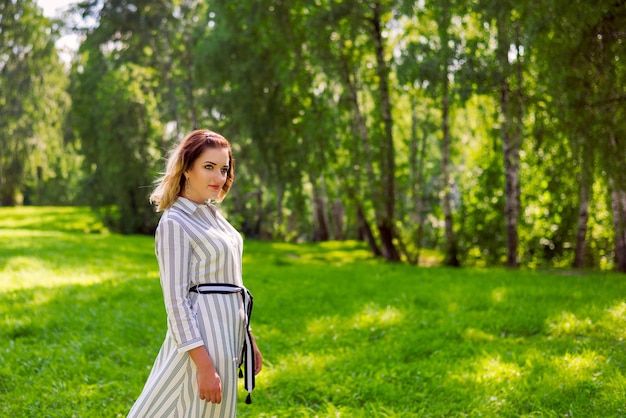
(81, 321)
(550, 206)
(120, 137)
(34, 157)
(298, 87)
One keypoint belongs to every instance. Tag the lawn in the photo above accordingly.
(343, 335)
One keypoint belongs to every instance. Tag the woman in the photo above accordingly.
(208, 309)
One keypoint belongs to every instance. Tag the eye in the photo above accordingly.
(224, 171)
(208, 167)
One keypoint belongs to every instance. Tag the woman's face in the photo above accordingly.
(207, 175)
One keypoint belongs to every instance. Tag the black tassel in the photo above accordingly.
(240, 373)
(248, 399)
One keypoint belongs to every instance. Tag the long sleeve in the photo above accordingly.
(173, 251)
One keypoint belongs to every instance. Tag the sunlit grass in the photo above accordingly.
(32, 258)
(343, 334)
(333, 252)
(69, 219)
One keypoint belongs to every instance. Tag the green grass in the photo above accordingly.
(343, 335)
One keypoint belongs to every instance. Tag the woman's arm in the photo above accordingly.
(173, 250)
(258, 358)
(209, 382)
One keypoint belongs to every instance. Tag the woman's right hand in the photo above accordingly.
(209, 382)
(209, 385)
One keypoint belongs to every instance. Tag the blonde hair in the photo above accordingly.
(182, 157)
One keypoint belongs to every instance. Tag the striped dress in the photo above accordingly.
(194, 245)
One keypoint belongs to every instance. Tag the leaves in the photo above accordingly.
(32, 104)
(334, 110)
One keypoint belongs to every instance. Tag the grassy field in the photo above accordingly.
(82, 318)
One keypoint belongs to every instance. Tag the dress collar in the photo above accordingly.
(190, 207)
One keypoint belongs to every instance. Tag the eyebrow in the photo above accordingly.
(211, 162)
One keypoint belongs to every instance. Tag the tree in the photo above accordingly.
(507, 20)
(583, 61)
(335, 140)
(357, 32)
(120, 135)
(432, 60)
(32, 103)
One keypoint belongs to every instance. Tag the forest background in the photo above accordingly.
(489, 130)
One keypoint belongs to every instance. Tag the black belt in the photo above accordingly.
(247, 354)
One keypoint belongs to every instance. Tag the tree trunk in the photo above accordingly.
(190, 84)
(618, 206)
(366, 231)
(385, 214)
(417, 158)
(584, 196)
(10, 181)
(7, 196)
(511, 141)
(618, 203)
(337, 219)
(280, 194)
(361, 133)
(169, 81)
(511, 170)
(416, 172)
(260, 218)
(321, 231)
(451, 258)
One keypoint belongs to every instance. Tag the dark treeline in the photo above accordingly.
(490, 130)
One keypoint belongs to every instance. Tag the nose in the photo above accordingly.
(219, 175)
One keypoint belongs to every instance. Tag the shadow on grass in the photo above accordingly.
(77, 350)
(349, 336)
(399, 341)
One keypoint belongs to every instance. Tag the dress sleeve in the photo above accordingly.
(173, 251)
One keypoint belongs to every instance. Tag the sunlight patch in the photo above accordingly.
(618, 311)
(299, 363)
(323, 325)
(574, 368)
(614, 322)
(495, 370)
(477, 335)
(568, 324)
(491, 370)
(23, 265)
(499, 294)
(28, 279)
(372, 315)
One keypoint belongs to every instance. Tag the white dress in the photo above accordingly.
(196, 245)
